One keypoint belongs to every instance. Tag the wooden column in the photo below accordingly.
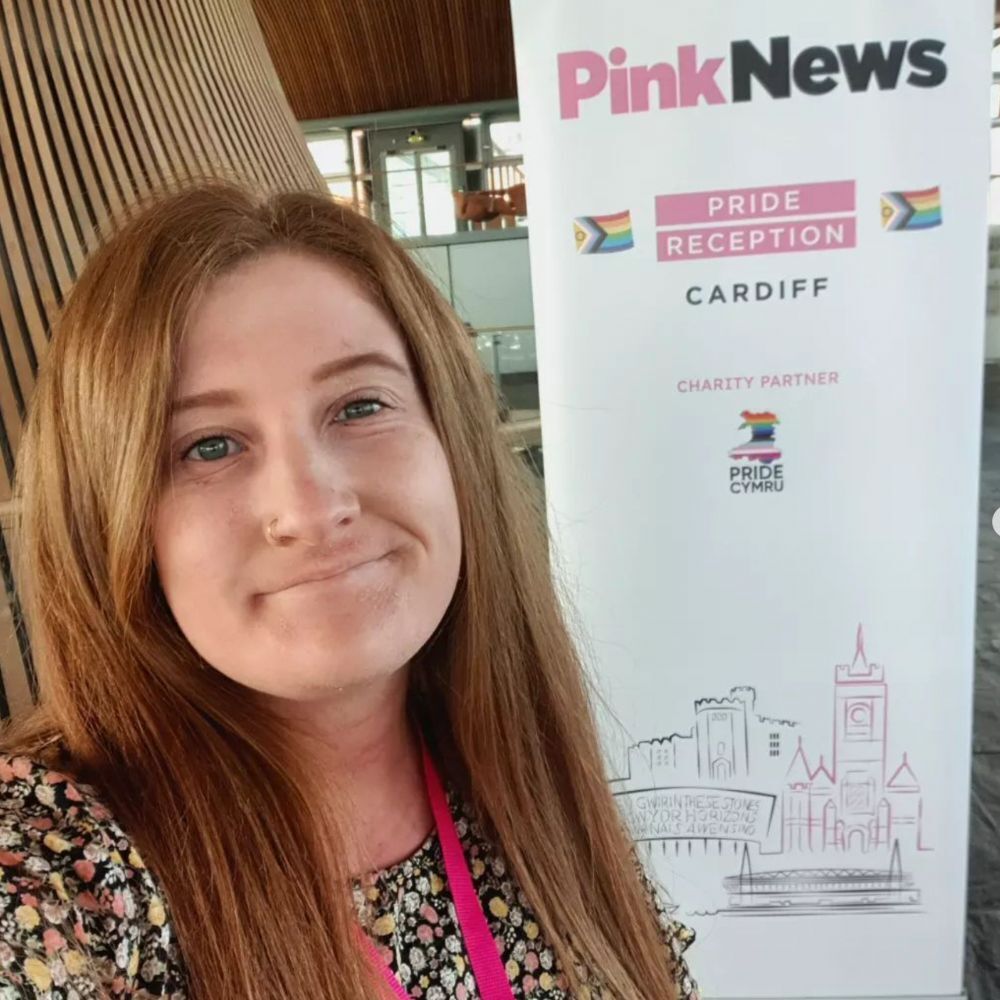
(102, 101)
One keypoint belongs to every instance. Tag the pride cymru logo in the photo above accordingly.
(755, 467)
(586, 76)
(761, 446)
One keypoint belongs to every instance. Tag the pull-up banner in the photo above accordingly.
(758, 243)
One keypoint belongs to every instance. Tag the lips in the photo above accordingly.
(322, 573)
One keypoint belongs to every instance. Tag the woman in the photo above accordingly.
(311, 723)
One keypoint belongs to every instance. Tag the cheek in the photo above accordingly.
(189, 542)
(424, 504)
(440, 502)
(408, 479)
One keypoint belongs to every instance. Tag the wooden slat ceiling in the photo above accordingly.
(348, 57)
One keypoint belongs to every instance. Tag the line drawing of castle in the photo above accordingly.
(727, 739)
(855, 804)
(739, 781)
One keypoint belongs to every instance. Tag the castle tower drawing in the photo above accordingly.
(857, 803)
(722, 732)
(859, 744)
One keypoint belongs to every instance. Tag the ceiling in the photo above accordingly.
(348, 57)
(337, 58)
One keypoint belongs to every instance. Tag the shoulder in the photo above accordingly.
(78, 906)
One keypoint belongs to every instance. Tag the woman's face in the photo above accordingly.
(309, 413)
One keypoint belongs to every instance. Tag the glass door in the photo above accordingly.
(416, 172)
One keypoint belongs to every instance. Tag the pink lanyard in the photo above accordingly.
(491, 977)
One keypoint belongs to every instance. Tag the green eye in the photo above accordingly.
(208, 449)
(215, 447)
(361, 408)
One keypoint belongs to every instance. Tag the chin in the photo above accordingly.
(315, 675)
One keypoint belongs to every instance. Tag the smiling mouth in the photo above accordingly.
(332, 578)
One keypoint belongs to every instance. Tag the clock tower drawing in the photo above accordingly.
(859, 743)
(858, 802)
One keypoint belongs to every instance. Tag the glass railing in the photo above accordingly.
(508, 354)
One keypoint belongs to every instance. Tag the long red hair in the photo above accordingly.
(197, 774)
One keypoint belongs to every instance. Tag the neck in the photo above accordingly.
(364, 740)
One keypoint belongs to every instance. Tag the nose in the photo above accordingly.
(310, 492)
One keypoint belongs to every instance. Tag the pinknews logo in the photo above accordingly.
(585, 75)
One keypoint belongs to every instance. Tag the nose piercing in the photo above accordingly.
(269, 531)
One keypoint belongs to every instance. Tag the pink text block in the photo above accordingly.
(798, 236)
(735, 204)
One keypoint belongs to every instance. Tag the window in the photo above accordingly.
(505, 137)
(858, 792)
(859, 719)
(419, 186)
(442, 173)
(505, 149)
(332, 155)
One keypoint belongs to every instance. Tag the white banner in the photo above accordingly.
(758, 242)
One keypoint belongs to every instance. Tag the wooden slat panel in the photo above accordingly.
(118, 97)
(266, 131)
(17, 679)
(77, 102)
(108, 137)
(157, 89)
(100, 101)
(231, 79)
(204, 45)
(165, 58)
(196, 77)
(35, 145)
(341, 57)
(83, 173)
(74, 202)
(273, 92)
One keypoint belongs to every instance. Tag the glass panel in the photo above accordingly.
(517, 353)
(484, 348)
(435, 158)
(506, 139)
(330, 155)
(996, 50)
(439, 205)
(404, 194)
(995, 100)
(400, 161)
(995, 150)
(518, 372)
(342, 187)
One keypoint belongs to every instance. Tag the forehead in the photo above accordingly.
(281, 309)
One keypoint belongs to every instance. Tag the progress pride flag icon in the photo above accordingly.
(783, 218)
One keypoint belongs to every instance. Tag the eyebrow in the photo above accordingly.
(228, 397)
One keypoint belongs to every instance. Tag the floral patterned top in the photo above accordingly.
(409, 913)
(79, 908)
